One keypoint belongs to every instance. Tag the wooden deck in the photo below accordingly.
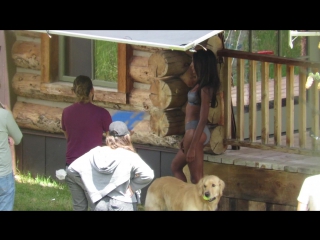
(270, 159)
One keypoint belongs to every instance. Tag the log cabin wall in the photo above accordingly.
(40, 103)
(159, 89)
(41, 99)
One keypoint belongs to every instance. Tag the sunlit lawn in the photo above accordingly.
(42, 194)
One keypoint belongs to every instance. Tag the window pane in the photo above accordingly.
(106, 61)
(78, 57)
(96, 59)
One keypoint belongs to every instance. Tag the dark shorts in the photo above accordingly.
(193, 125)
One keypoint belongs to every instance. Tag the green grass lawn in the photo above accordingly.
(42, 194)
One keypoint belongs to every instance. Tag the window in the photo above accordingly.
(94, 58)
(52, 67)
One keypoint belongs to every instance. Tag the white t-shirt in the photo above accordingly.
(310, 193)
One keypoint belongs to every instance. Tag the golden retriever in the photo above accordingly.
(172, 194)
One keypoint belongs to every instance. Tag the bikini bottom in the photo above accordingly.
(193, 124)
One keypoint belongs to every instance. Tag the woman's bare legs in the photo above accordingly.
(196, 166)
(178, 164)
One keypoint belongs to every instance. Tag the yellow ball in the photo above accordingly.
(206, 198)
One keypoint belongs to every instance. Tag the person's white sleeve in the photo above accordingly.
(142, 174)
(304, 192)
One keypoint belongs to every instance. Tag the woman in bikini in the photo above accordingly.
(201, 97)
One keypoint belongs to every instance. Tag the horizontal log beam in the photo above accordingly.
(38, 117)
(27, 54)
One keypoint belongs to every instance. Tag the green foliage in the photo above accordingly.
(263, 40)
(313, 78)
(106, 61)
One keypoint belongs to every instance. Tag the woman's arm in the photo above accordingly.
(142, 174)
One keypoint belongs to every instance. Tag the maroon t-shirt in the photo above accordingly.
(85, 124)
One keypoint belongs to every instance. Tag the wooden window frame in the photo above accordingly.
(50, 67)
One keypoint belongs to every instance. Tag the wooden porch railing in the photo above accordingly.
(307, 145)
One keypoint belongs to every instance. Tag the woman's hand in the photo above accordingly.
(181, 146)
(11, 141)
(129, 191)
(4, 106)
(191, 154)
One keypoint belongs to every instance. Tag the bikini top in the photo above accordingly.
(193, 98)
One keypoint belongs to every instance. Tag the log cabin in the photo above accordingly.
(257, 146)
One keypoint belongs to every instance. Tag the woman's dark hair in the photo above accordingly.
(206, 69)
(82, 86)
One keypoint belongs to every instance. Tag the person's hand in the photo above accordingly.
(11, 141)
(191, 154)
(181, 146)
(3, 106)
(129, 191)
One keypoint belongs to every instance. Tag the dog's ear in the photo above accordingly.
(200, 186)
(222, 186)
